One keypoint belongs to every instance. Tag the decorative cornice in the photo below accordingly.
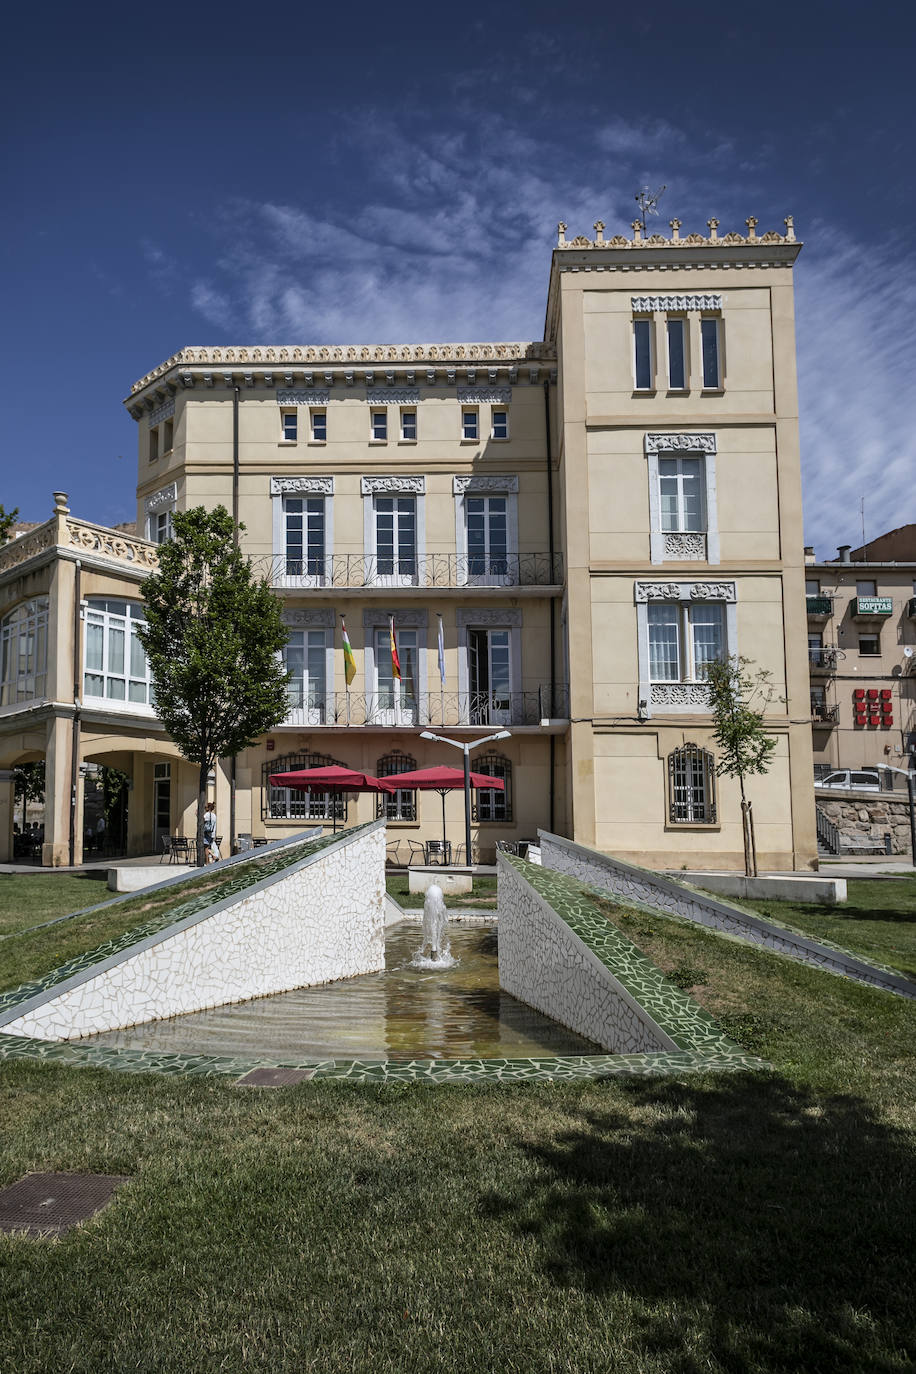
(409, 396)
(405, 620)
(500, 616)
(161, 412)
(684, 591)
(110, 544)
(371, 486)
(164, 497)
(297, 618)
(482, 354)
(483, 395)
(690, 241)
(292, 486)
(644, 305)
(681, 441)
(288, 397)
(16, 551)
(462, 485)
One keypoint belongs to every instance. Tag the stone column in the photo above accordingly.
(55, 852)
(7, 799)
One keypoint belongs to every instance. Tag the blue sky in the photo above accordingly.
(347, 174)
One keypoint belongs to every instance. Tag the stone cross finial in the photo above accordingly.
(751, 223)
(599, 231)
(636, 226)
(675, 229)
(789, 222)
(713, 229)
(60, 503)
(561, 234)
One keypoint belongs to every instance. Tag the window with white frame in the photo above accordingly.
(289, 425)
(24, 652)
(319, 425)
(379, 426)
(114, 661)
(305, 659)
(691, 786)
(396, 537)
(711, 346)
(643, 361)
(500, 424)
(159, 526)
(487, 535)
(470, 422)
(682, 493)
(304, 535)
(490, 676)
(683, 639)
(676, 335)
(408, 426)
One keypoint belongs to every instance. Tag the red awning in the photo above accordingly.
(442, 779)
(333, 778)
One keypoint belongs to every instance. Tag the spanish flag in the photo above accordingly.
(395, 661)
(349, 661)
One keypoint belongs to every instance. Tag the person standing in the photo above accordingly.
(210, 844)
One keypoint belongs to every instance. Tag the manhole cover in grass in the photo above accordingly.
(272, 1078)
(49, 1204)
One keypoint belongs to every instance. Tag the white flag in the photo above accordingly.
(441, 653)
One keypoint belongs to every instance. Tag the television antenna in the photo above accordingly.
(648, 204)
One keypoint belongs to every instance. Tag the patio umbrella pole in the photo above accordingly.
(442, 795)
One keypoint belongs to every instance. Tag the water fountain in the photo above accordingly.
(434, 933)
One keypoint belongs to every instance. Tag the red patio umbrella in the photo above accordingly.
(332, 778)
(442, 779)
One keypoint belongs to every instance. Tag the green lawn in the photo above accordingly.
(483, 893)
(730, 1223)
(26, 899)
(878, 920)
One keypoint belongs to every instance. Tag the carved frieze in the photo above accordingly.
(680, 442)
(684, 591)
(644, 305)
(686, 547)
(680, 694)
(713, 591)
(484, 395)
(383, 486)
(403, 620)
(295, 486)
(27, 546)
(500, 616)
(165, 496)
(109, 544)
(394, 396)
(162, 412)
(297, 618)
(480, 485)
(293, 396)
(657, 591)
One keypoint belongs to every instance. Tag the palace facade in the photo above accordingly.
(589, 518)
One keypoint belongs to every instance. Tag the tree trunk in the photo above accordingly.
(752, 838)
(201, 808)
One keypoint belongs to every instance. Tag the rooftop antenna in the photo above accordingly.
(864, 545)
(648, 204)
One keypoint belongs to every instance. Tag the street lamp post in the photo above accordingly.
(466, 746)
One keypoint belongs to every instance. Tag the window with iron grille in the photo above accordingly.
(487, 803)
(400, 805)
(288, 803)
(691, 786)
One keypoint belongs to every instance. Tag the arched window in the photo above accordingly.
(691, 786)
(488, 804)
(400, 805)
(114, 660)
(287, 803)
(24, 652)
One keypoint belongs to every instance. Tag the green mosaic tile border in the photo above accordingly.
(690, 1027)
(268, 868)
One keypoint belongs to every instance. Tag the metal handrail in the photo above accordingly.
(546, 702)
(429, 570)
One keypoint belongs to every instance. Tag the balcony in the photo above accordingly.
(450, 709)
(819, 607)
(823, 715)
(871, 607)
(429, 572)
(824, 659)
(911, 608)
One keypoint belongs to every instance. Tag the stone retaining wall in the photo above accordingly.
(871, 814)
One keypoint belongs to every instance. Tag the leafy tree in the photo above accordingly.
(7, 521)
(739, 698)
(213, 635)
(29, 784)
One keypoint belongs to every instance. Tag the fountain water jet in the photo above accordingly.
(435, 933)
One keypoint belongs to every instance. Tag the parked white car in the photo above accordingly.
(850, 780)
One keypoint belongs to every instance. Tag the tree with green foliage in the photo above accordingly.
(7, 521)
(739, 698)
(213, 637)
(29, 784)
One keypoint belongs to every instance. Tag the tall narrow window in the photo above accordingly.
(677, 363)
(682, 490)
(488, 803)
(153, 444)
(159, 526)
(168, 430)
(400, 805)
(114, 662)
(304, 535)
(709, 335)
(305, 658)
(691, 786)
(396, 537)
(24, 652)
(397, 700)
(289, 420)
(487, 532)
(642, 340)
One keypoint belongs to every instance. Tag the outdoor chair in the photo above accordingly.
(393, 854)
(166, 848)
(417, 852)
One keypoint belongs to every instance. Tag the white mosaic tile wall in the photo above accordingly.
(319, 922)
(544, 963)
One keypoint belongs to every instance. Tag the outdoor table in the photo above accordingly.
(438, 851)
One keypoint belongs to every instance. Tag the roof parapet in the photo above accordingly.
(641, 240)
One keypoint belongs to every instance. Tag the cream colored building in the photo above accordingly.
(589, 518)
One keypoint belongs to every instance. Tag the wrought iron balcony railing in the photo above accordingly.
(428, 570)
(498, 709)
(819, 607)
(824, 714)
(824, 659)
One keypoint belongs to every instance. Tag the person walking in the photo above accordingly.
(210, 844)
